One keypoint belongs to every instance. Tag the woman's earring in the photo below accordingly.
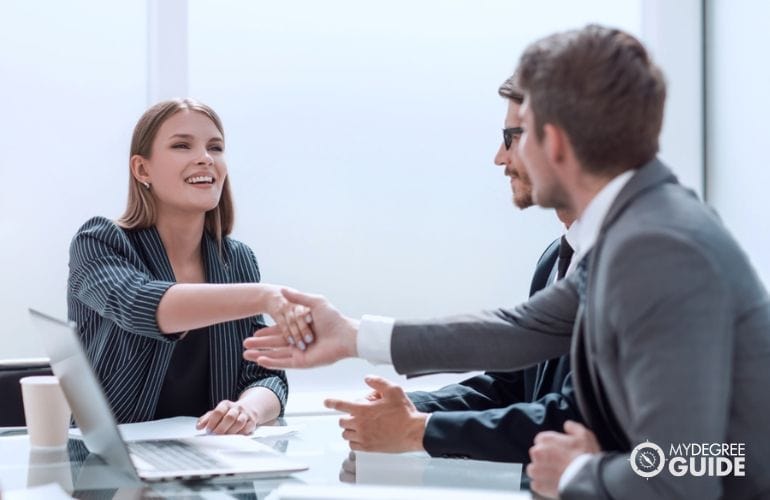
(147, 185)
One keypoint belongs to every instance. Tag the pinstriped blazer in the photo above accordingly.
(117, 278)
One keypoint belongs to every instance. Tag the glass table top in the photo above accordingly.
(317, 442)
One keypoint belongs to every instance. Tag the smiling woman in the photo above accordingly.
(171, 129)
(163, 297)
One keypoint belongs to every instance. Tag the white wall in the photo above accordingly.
(672, 32)
(739, 78)
(73, 79)
(360, 139)
(360, 144)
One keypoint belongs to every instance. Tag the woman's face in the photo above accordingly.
(187, 166)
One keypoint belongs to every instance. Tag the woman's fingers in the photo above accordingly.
(216, 416)
(304, 318)
(265, 342)
(294, 322)
(291, 327)
(228, 417)
(201, 423)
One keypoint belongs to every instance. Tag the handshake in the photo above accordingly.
(309, 332)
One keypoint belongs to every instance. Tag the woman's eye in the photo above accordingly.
(181, 145)
(216, 148)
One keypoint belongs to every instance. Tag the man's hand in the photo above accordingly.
(229, 417)
(386, 422)
(553, 452)
(335, 337)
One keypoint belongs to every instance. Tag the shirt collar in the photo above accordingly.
(585, 230)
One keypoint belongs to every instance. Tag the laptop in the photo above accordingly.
(202, 457)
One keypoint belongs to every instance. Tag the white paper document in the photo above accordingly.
(184, 427)
(342, 492)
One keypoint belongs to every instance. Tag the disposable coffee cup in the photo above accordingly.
(46, 411)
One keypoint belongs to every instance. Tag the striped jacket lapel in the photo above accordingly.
(155, 258)
(224, 347)
(160, 267)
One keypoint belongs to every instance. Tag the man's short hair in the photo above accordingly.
(600, 86)
(510, 90)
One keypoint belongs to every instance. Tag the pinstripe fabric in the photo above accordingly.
(116, 281)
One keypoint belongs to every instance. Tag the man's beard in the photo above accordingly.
(522, 196)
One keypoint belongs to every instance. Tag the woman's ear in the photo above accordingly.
(139, 169)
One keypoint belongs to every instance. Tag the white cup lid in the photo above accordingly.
(40, 380)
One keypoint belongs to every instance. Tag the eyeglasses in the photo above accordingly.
(509, 134)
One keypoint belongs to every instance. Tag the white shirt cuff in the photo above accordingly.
(572, 469)
(373, 339)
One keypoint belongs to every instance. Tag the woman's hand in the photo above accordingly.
(293, 320)
(335, 338)
(229, 417)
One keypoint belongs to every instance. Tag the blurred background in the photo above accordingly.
(360, 138)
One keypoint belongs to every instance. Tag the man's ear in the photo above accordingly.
(138, 166)
(554, 144)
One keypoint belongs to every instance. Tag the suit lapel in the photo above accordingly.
(222, 348)
(584, 389)
(156, 260)
(589, 391)
(541, 278)
(649, 176)
(544, 268)
(591, 396)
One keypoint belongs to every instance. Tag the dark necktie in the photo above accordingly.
(565, 256)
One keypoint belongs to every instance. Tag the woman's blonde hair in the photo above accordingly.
(141, 211)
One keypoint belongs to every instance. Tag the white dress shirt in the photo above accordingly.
(586, 228)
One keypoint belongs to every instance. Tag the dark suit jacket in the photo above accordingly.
(117, 278)
(671, 343)
(495, 416)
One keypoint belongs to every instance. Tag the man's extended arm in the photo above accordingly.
(504, 339)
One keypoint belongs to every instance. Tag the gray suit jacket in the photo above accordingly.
(672, 344)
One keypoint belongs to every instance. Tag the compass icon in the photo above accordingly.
(647, 459)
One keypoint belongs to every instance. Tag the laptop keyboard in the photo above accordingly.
(170, 454)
